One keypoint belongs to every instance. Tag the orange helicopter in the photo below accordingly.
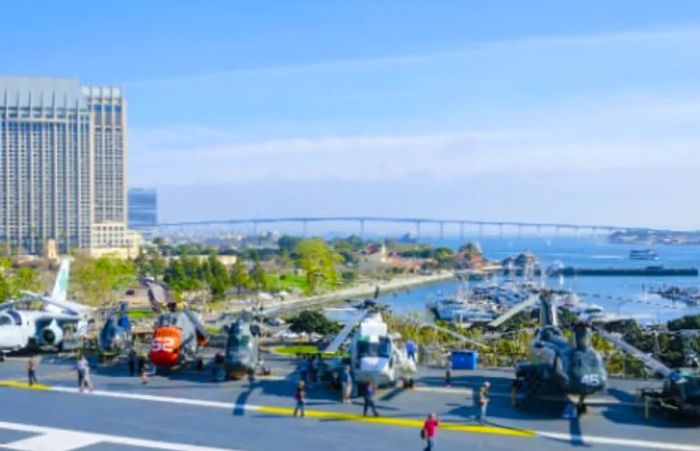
(178, 334)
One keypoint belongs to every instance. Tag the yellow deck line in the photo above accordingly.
(402, 422)
(24, 385)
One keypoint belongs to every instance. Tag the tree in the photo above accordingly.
(313, 321)
(319, 262)
(257, 275)
(239, 276)
(288, 243)
(95, 280)
(220, 280)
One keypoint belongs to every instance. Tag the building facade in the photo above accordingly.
(62, 165)
(143, 210)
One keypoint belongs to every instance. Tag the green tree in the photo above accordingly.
(239, 276)
(220, 280)
(313, 321)
(257, 275)
(96, 281)
(319, 261)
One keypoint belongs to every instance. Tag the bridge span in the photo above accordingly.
(418, 223)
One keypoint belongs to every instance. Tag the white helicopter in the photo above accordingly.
(37, 321)
(376, 355)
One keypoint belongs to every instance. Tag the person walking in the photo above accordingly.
(300, 397)
(483, 401)
(346, 384)
(142, 369)
(411, 349)
(32, 365)
(369, 399)
(132, 362)
(83, 368)
(448, 372)
(429, 430)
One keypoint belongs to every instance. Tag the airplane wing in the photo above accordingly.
(158, 295)
(532, 300)
(345, 332)
(648, 361)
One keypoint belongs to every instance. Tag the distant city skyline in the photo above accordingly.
(584, 111)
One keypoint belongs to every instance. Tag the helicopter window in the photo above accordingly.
(5, 320)
(236, 342)
(16, 318)
(365, 348)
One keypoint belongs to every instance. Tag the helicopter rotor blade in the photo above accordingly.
(454, 334)
(532, 300)
(345, 332)
(647, 360)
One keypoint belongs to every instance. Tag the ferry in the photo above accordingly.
(643, 254)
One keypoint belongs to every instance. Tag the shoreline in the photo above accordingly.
(358, 292)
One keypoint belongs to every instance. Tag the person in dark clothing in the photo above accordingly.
(142, 369)
(31, 370)
(369, 399)
(300, 397)
(132, 362)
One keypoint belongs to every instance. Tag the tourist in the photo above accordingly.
(142, 369)
(83, 368)
(346, 384)
(132, 362)
(429, 430)
(411, 349)
(300, 397)
(448, 372)
(369, 399)
(483, 401)
(32, 365)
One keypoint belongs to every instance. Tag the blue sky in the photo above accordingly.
(585, 111)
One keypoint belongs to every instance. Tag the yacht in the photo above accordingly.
(643, 254)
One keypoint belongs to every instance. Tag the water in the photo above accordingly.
(582, 252)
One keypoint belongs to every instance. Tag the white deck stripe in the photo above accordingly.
(54, 439)
(638, 444)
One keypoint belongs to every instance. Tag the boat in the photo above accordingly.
(643, 254)
(460, 308)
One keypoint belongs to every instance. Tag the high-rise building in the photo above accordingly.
(143, 210)
(63, 165)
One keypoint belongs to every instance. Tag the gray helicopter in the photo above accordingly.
(242, 354)
(557, 368)
(115, 336)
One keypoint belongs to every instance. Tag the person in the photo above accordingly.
(83, 368)
(369, 399)
(300, 397)
(448, 372)
(483, 401)
(346, 384)
(411, 349)
(142, 369)
(132, 362)
(429, 430)
(31, 370)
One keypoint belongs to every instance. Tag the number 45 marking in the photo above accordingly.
(592, 380)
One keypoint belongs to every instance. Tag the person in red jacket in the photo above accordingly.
(429, 430)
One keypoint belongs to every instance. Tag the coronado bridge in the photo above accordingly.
(462, 226)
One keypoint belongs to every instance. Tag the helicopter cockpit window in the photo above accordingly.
(382, 348)
(238, 342)
(16, 318)
(5, 320)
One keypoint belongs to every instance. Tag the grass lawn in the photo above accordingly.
(287, 282)
(300, 350)
(141, 314)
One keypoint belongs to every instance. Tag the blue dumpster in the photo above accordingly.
(465, 360)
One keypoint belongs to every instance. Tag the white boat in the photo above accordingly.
(462, 310)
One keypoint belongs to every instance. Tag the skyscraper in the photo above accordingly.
(62, 165)
(143, 210)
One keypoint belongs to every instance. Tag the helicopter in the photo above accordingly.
(556, 367)
(680, 392)
(115, 336)
(242, 354)
(376, 355)
(178, 334)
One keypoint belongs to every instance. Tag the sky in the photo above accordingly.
(552, 111)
